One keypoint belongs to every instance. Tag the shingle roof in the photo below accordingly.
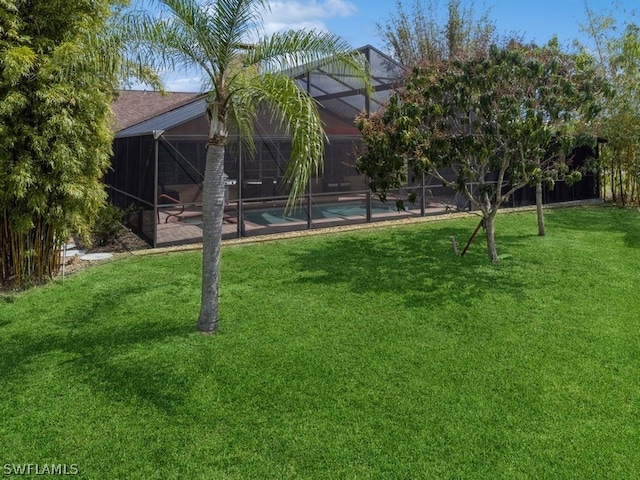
(135, 106)
(172, 118)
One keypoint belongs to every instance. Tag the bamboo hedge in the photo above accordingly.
(55, 136)
(30, 256)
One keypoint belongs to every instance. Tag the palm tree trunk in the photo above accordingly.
(212, 214)
(541, 229)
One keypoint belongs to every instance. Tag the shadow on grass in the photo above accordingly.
(416, 264)
(93, 340)
(602, 219)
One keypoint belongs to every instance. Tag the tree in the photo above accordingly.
(489, 120)
(242, 75)
(570, 92)
(419, 35)
(617, 50)
(58, 73)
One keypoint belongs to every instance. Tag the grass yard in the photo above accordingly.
(373, 354)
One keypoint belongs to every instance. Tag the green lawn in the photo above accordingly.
(374, 354)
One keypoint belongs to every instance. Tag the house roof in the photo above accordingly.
(169, 119)
(342, 94)
(143, 112)
(135, 106)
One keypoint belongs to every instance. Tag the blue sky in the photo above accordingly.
(355, 20)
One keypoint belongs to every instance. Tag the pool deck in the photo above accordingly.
(182, 226)
(180, 233)
(230, 238)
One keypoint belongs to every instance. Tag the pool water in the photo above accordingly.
(276, 215)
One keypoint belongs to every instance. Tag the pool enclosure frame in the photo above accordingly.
(159, 157)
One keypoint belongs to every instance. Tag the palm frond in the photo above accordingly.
(188, 34)
(296, 52)
(297, 115)
(233, 22)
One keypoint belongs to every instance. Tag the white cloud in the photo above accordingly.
(299, 14)
(185, 84)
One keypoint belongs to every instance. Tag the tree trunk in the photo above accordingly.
(541, 230)
(489, 224)
(612, 176)
(212, 214)
(621, 185)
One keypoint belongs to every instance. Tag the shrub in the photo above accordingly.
(108, 226)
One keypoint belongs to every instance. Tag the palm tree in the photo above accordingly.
(242, 74)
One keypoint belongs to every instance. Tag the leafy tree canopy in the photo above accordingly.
(482, 125)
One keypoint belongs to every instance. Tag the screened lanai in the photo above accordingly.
(159, 159)
(158, 162)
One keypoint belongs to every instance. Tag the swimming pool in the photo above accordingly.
(276, 215)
